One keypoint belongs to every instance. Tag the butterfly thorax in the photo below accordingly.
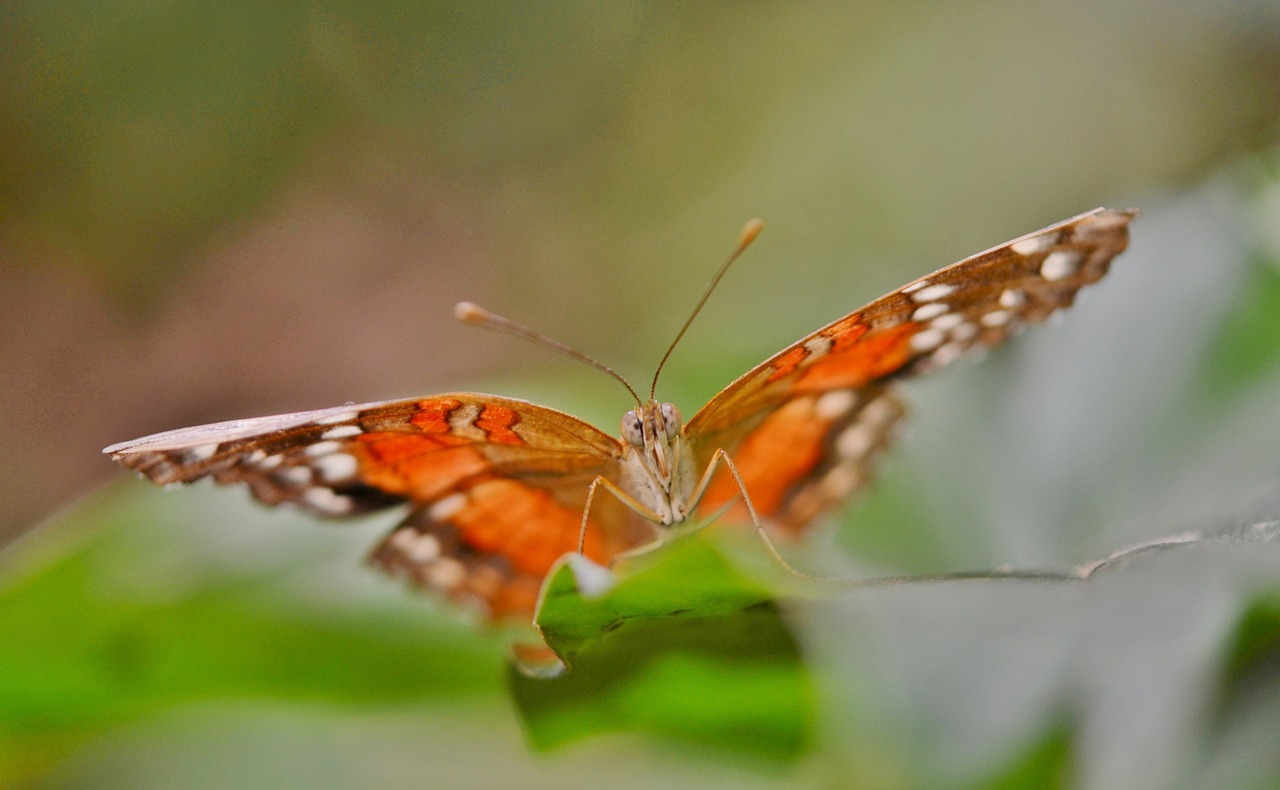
(657, 462)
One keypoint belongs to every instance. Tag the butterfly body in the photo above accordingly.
(657, 463)
(497, 488)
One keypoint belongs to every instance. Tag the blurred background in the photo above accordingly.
(211, 211)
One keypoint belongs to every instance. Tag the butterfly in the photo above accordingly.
(498, 489)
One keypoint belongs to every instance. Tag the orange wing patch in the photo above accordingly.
(857, 358)
(525, 524)
(492, 543)
(433, 415)
(419, 466)
(808, 455)
(787, 362)
(426, 465)
(782, 450)
(846, 331)
(496, 422)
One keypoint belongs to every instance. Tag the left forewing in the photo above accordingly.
(357, 458)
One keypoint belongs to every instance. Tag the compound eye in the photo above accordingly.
(671, 416)
(633, 429)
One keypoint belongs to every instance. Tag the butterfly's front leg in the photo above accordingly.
(705, 482)
(649, 513)
(717, 457)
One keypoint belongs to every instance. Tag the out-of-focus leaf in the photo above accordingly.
(1045, 766)
(685, 648)
(84, 647)
(1255, 655)
(1246, 349)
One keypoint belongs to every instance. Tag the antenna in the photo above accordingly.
(749, 233)
(470, 313)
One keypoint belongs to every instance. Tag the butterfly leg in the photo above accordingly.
(649, 513)
(1079, 573)
(721, 456)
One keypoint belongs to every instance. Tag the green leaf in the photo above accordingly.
(1245, 352)
(90, 644)
(1254, 658)
(1047, 764)
(685, 648)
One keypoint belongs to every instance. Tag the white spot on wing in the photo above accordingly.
(297, 475)
(839, 481)
(834, 404)
(817, 346)
(202, 452)
(929, 311)
(322, 448)
(342, 432)
(966, 331)
(996, 318)
(1012, 299)
(855, 441)
(947, 354)
(425, 549)
(1059, 265)
(878, 412)
(442, 509)
(326, 500)
(417, 547)
(1035, 244)
(927, 340)
(948, 321)
(933, 293)
(345, 416)
(264, 461)
(446, 572)
(336, 466)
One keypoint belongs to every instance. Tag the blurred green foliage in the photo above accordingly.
(87, 651)
(1247, 351)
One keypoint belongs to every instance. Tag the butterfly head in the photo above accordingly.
(653, 432)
